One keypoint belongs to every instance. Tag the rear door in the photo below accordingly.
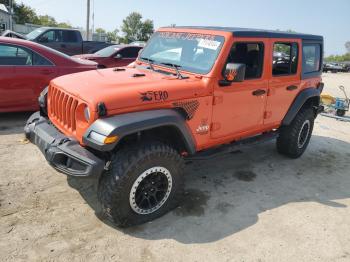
(284, 83)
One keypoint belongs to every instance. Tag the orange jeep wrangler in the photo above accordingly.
(193, 92)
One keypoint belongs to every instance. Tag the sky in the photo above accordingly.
(321, 17)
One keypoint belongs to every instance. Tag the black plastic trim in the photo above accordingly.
(131, 123)
(63, 153)
(299, 101)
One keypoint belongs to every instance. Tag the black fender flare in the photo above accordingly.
(298, 102)
(131, 123)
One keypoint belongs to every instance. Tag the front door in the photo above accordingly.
(284, 82)
(239, 108)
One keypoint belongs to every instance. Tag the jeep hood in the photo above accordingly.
(129, 87)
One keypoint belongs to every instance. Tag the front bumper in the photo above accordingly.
(63, 153)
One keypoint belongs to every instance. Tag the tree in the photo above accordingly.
(134, 29)
(64, 25)
(147, 30)
(24, 14)
(113, 36)
(47, 20)
(100, 31)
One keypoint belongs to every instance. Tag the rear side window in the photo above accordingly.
(285, 59)
(250, 54)
(311, 58)
(14, 56)
(129, 52)
(38, 60)
(70, 36)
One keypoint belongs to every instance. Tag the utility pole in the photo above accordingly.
(88, 21)
(11, 14)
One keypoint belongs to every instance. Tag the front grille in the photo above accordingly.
(62, 108)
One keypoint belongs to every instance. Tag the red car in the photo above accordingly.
(113, 56)
(26, 68)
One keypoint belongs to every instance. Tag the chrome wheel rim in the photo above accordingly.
(304, 133)
(150, 190)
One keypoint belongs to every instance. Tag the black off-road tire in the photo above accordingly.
(289, 142)
(128, 166)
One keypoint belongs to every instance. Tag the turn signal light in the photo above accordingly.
(110, 139)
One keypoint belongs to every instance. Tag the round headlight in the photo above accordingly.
(87, 114)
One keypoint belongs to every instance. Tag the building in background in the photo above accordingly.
(4, 18)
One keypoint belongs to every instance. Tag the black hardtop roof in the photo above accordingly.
(249, 32)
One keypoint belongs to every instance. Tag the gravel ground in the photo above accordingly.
(254, 205)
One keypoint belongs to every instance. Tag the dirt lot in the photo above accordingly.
(250, 206)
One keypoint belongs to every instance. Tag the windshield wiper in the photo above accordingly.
(150, 61)
(176, 67)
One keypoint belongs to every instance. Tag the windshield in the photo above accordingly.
(34, 34)
(190, 52)
(108, 51)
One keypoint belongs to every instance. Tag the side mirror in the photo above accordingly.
(118, 56)
(233, 72)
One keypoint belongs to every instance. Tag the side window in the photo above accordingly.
(49, 36)
(311, 58)
(129, 52)
(134, 52)
(69, 36)
(285, 59)
(250, 54)
(15, 56)
(38, 60)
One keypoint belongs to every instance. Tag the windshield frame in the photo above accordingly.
(184, 69)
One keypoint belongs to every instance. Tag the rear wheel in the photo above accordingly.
(294, 138)
(144, 182)
(340, 112)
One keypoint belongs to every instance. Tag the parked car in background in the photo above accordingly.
(113, 56)
(68, 41)
(26, 68)
(333, 67)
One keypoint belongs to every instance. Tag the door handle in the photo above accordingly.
(291, 88)
(259, 92)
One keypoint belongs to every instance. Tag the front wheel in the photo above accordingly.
(294, 139)
(144, 182)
